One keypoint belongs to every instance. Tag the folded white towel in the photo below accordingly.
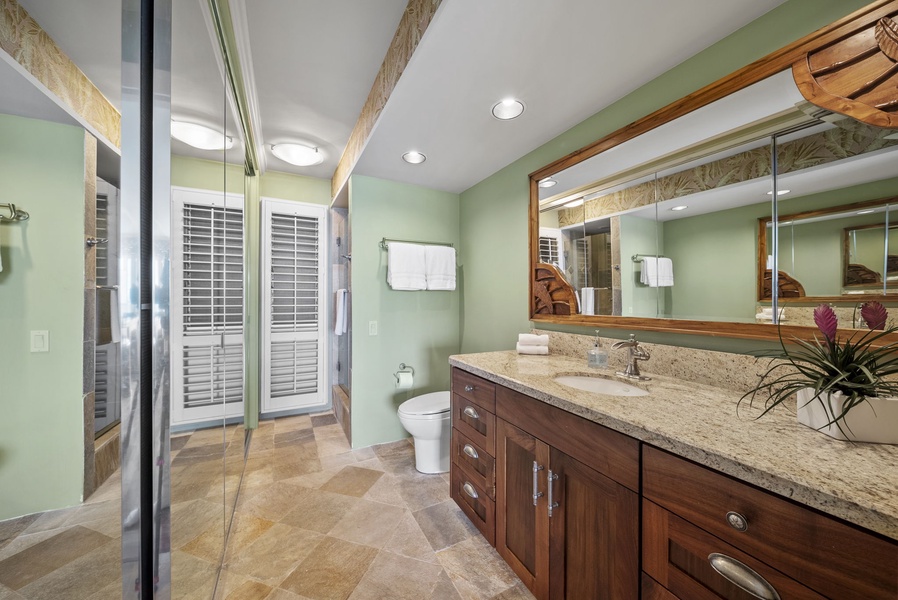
(405, 267)
(587, 301)
(439, 267)
(341, 310)
(665, 272)
(522, 349)
(648, 275)
(530, 339)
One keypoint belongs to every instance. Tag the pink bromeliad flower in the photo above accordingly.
(874, 315)
(826, 321)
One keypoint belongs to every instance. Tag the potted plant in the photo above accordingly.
(846, 387)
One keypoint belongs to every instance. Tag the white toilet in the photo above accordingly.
(427, 419)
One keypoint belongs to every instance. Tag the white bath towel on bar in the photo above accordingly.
(665, 272)
(531, 339)
(405, 267)
(587, 301)
(649, 273)
(439, 267)
(342, 306)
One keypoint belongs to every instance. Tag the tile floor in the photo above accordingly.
(315, 520)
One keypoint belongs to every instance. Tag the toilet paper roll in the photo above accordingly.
(406, 380)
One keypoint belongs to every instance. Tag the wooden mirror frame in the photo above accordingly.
(763, 223)
(826, 54)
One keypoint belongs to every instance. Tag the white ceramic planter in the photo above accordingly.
(875, 420)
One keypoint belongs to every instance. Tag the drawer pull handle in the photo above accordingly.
(471, 412)
(469, 490)
(536, 469)
(742, 576)
(470, 451)
(469, 388)
(552, 478)
(737, 521)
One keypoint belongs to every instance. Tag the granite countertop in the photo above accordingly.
(856, 482)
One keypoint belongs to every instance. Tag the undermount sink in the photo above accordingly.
(600, 385)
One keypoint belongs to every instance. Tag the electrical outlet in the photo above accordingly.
(372, 327)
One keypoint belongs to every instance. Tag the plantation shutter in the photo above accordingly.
(208, 306)
(294, 306)
(550, 247)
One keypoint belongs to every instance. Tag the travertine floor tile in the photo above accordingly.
(13, 527)
(331, 571)
(53, 519)
(398, 578)
(191, 576)
(191, 519)
(408, 540)
(476, 570)
(517, 592)
(8, 594)
(272, 502)
(444, 525)
(274, 554)
(444, 588)
(80, 578)
(352, 481)
(369, 523)
(233, 586)
(386, 491)
(279, 594)
(420, 490)
(324, 419)
(245, 528)
(318, 511)
(333, 445)
(49, 555)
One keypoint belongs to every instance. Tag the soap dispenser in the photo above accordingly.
(597, 357)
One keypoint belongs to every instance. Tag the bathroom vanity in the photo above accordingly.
(664, 496)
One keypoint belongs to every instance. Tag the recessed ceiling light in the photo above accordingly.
(575, 203)
(547, 182)
(507, 109)
(414, 157)
(683, 207)
(866, 211)
(298, 154)
(200, 136)
(779, 192)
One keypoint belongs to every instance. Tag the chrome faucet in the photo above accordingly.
(637, 353)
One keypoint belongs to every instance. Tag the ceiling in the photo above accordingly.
(313, 64)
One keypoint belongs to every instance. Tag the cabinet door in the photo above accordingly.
(522, 522)
(593, 533)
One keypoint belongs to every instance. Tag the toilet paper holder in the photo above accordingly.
(404, 368)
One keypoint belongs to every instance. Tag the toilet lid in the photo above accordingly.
(428, 404)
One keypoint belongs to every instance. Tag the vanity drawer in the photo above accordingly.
(677, 555)
(475, 422)
(475, 462)
(474, 388)
(475, 504)
(829, 556)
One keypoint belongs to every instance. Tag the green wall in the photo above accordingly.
(494, 215)
(639, 235)
(41, 288)
(418, 328)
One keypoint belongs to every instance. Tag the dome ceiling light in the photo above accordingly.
(508, 109)
(414, 157)
(678, 208)
(779, 192)
(547, 182)
(200, 136)
(299, 155)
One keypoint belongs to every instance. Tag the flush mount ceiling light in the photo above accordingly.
(298, 154)
(683, 207)
(414, 157)
(507, 109)
(200, 136)
(866, 212)
(547, 182)
(779, 192)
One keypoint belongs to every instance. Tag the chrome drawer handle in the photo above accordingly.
(737, 521)
(536, 469)
(469, 388)
(471, 412)
(470, 451)
(469, 490)
(552, 505)
(742, 576)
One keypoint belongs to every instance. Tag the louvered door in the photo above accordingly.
(293, 306)
(207, 306)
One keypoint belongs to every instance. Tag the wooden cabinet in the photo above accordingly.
(472, 469)
(691, 513)
(565, 528)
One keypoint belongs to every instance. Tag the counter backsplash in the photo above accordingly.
(736, 372)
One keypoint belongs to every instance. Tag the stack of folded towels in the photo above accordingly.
(529, 343)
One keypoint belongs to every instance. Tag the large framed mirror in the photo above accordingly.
(656, 226)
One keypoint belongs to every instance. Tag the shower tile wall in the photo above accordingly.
(340, 347)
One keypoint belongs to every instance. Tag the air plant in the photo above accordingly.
(857, 366)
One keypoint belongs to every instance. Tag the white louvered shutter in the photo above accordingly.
(207, 306)
(294, 305)
(550, 247)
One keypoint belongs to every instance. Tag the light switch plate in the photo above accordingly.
(40, 341)
(372, 327)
